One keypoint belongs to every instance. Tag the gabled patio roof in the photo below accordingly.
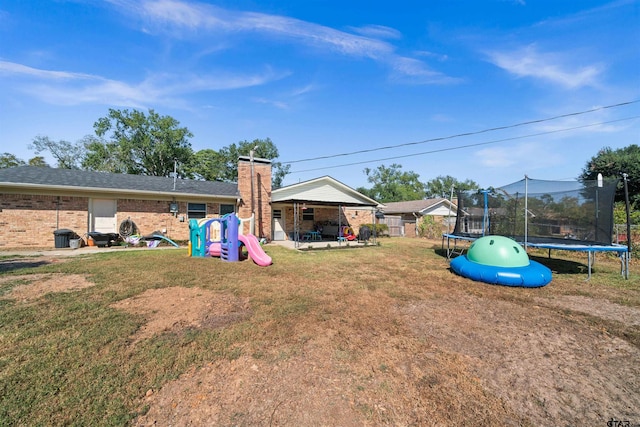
(322, 191)
(423, 207)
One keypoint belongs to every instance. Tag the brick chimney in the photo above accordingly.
(261, 203)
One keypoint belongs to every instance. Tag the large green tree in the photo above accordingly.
(223, 165)
(8, 160)
(138, 143)
(612, 164)
(68, 155)
(207, 164)
(38, 161)
(150, 144)
(391, 184)
(441, 186)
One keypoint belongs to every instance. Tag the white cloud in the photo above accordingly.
(438, 56)
(303, 90)
(278, 104)
(68, 88)
(529, 156)
(11, 68)
(377, 31)
(594, 122)
(191, 18)
(552, 67)
(413, 71)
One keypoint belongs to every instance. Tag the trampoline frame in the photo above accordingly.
(622, 251)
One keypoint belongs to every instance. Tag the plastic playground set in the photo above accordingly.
(222, 237)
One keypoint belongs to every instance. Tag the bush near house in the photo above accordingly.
(381, 229)
(429, 228)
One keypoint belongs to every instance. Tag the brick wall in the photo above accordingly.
(261, 192)
(153, 215)
(30, 220)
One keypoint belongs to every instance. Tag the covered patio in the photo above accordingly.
(322, 212)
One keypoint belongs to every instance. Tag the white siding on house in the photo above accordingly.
(441, 210)
(321, 190)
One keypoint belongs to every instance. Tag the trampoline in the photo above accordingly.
(621, 251)
(554, 215)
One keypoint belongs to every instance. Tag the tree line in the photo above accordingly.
(134, 142)
(392, 184)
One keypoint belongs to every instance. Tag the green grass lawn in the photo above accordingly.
(66, 357)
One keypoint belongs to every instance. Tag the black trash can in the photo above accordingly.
(62, 237)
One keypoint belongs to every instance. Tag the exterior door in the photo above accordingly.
(103, 215)
(278, 225)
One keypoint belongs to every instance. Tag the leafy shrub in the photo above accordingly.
(429, 228)
(381, 229)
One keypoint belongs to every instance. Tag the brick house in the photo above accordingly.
(440, 209)
(36, 201)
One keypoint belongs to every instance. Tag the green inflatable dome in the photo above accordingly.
(498, 251)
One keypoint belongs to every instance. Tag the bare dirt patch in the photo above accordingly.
(38, 285)
(595, 307)
(543, 366)
(353, 368)
(177, 308)
(452, 358)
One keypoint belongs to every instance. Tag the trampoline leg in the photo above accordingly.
(589, 254)
(624, 265)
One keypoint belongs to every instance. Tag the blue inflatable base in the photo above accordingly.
(534, 275)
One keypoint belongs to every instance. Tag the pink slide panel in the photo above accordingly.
(256, 252)
(214, 249)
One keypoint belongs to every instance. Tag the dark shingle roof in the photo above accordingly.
(42, 177)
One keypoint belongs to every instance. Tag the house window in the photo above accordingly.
(197, 210)
(227, 209)
(307, 214)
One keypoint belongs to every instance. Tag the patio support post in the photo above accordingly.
(374, 219)
(296, 233)
(339, 224)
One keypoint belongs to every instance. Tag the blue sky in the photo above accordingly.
(328, 78)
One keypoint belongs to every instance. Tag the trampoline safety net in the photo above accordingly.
(540, 211)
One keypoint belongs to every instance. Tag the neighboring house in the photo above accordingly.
(37, 201)
(324, 205)
(404, 215)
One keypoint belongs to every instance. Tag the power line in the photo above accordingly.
(467, 145)
(442, 138)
